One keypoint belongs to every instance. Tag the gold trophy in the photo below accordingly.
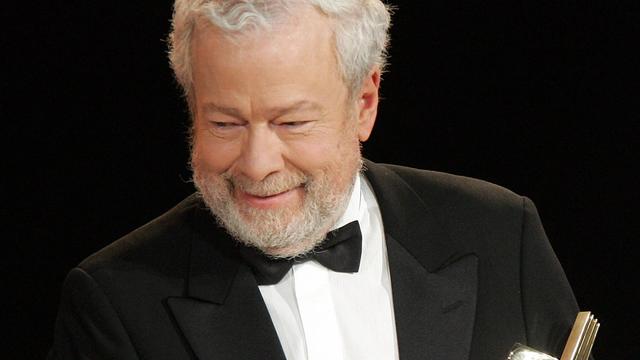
(578, 346)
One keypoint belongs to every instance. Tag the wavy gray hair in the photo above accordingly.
(360, 29)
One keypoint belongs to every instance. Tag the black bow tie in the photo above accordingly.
(340, 251)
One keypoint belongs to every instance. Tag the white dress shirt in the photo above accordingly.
(320, 314)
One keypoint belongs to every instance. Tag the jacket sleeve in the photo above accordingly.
(87, 326)
(549, 306)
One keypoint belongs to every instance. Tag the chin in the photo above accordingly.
(288, 225)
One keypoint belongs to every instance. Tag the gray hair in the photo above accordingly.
(360, 29)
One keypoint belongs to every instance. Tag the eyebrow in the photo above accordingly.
(274, 112)
(213, 108)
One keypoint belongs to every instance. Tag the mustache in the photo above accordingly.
(271, 185)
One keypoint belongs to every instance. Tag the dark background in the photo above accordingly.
(539, 96)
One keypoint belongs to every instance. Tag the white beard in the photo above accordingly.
(280, 232)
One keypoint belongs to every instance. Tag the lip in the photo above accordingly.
(271, 201)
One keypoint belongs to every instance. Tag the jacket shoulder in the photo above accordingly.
(159, 243)
(439, 188)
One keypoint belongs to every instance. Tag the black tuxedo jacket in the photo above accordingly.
(471, 269)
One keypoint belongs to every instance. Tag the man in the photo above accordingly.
(421, 265)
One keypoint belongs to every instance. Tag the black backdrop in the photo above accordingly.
(538, 96)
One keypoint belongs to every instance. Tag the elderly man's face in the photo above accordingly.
(276, 141)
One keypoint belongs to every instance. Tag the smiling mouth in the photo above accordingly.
(283, 198)
(279, 193)
(269, 196)
(260, 195)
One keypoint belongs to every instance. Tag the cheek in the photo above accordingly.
(325, 152)
(312, 155)
(212, 156)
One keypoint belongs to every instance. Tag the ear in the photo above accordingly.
(367, 104)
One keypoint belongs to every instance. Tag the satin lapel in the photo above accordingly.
(222, 315)
(434, 312)
(433, 278)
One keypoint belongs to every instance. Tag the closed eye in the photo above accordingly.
(224, 129)
(224, 124)
(295, 123)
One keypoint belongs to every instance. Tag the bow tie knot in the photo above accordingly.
(340, 251)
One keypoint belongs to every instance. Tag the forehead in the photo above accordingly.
(295, 56)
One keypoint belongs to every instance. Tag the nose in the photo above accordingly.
(261, 154)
